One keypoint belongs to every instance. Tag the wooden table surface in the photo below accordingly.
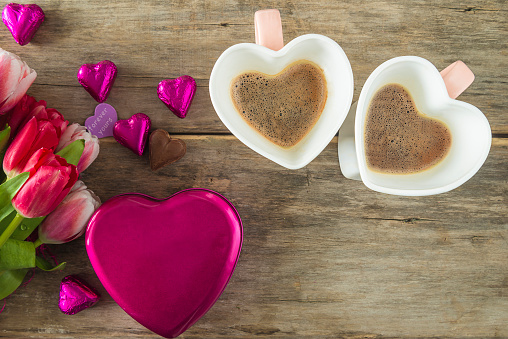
(323, 256)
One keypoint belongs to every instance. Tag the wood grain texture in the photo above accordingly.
(156, 40)
(323, 256)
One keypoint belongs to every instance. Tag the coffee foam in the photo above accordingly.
(399, 139)
(282, 107)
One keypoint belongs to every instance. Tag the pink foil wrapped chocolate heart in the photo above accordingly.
(177, 94)
(133, 132)
(76, 295)
(22, 21)
(98, 79)
(174, 259)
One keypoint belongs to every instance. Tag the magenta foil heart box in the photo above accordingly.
(165, 262)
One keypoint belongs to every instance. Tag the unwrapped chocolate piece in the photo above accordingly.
(76, 295)
(165, 150)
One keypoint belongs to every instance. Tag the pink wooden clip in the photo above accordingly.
(268, 28)
(457, 78)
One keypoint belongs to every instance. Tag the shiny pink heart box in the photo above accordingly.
(165, 262)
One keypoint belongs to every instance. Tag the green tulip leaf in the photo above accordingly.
(73, 152)
(10, 281)
(4, 139)
(8, 190)
(26, 228)
(45, 265)
(16, 254)
(6, 221)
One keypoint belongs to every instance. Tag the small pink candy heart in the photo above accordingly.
(22, 21)
(177, 94)
(98, 79)
(103, 121)
(133, 132)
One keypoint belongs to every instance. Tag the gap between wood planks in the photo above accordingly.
(498, 139)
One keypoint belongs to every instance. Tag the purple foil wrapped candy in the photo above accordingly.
(76, 295)
(22, 21)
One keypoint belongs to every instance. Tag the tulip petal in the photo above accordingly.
(66, 138)
(43, 191)
(20, 114)
(68, 221)
(19, 148)
(76, 132)
(90, 153)
(19, 89)
(47, 136)
(11, 68)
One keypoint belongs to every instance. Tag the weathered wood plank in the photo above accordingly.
(161, 40)
(322, 255)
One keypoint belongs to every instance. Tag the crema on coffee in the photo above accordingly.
(282, 107)
(398, 138)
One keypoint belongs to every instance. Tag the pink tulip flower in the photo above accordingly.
(75, 132)
(27, 108)
(16, 78)
(18, 116)
(51, 179)
(34, 135)
(68, 221)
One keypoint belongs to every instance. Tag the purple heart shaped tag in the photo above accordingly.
(177, 94)
(98, 79)
(103, 121)
(133, 132)
(22, 21)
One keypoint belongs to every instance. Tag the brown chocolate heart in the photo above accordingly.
(282, 107)
(165, 150)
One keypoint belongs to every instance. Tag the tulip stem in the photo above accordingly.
(10, 229)
(37, 243)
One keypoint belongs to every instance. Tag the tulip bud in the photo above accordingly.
(51, 179)
(27, 108)
(68, 221)
(75, 132)
(34, 135)
(16, 78)
(19, 115)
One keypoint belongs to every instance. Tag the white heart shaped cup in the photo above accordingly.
(244, 57)
(470, 130)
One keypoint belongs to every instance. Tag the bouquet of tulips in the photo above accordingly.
(42, 158)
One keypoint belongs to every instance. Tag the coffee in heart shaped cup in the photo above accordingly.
(294, 99)
(409, 136)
